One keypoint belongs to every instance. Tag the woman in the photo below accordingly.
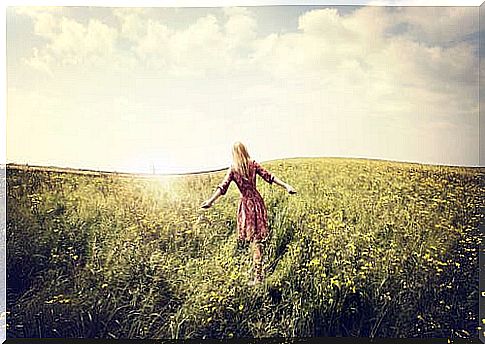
(252, 217)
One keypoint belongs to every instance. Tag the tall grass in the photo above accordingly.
(366, 248)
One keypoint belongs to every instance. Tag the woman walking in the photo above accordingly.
(252, 216)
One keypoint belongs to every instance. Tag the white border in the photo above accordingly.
(225, 3)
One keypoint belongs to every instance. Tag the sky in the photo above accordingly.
(171, 89)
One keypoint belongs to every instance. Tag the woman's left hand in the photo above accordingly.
(207, 204)
(290, 189)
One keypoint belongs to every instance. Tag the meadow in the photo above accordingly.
(365, 248)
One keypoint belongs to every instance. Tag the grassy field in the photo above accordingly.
(366, 248)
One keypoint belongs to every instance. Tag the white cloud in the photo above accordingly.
(240, 27)
(132, 25)
(77, 43)
(435, 25)
(354, 52)
(39, 62)
(69, 42)
(154, 42)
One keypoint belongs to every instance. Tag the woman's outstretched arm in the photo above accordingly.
(271, 178)
(284, 185)
(221, 190)
(208, 203)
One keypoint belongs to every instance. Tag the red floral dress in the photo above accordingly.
(252, 218)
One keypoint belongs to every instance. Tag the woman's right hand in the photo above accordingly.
(206, 204)
(290, 189)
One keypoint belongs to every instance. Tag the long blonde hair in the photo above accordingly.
(241, 159)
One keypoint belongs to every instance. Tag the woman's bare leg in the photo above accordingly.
(258, 261)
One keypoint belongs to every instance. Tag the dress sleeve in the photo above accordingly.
(227, 180)
(268, 177)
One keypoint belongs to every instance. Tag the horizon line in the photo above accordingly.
(61, 169)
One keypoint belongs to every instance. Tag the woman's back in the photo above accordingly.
(246, 184)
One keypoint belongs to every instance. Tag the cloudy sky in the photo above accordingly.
(128, 89)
